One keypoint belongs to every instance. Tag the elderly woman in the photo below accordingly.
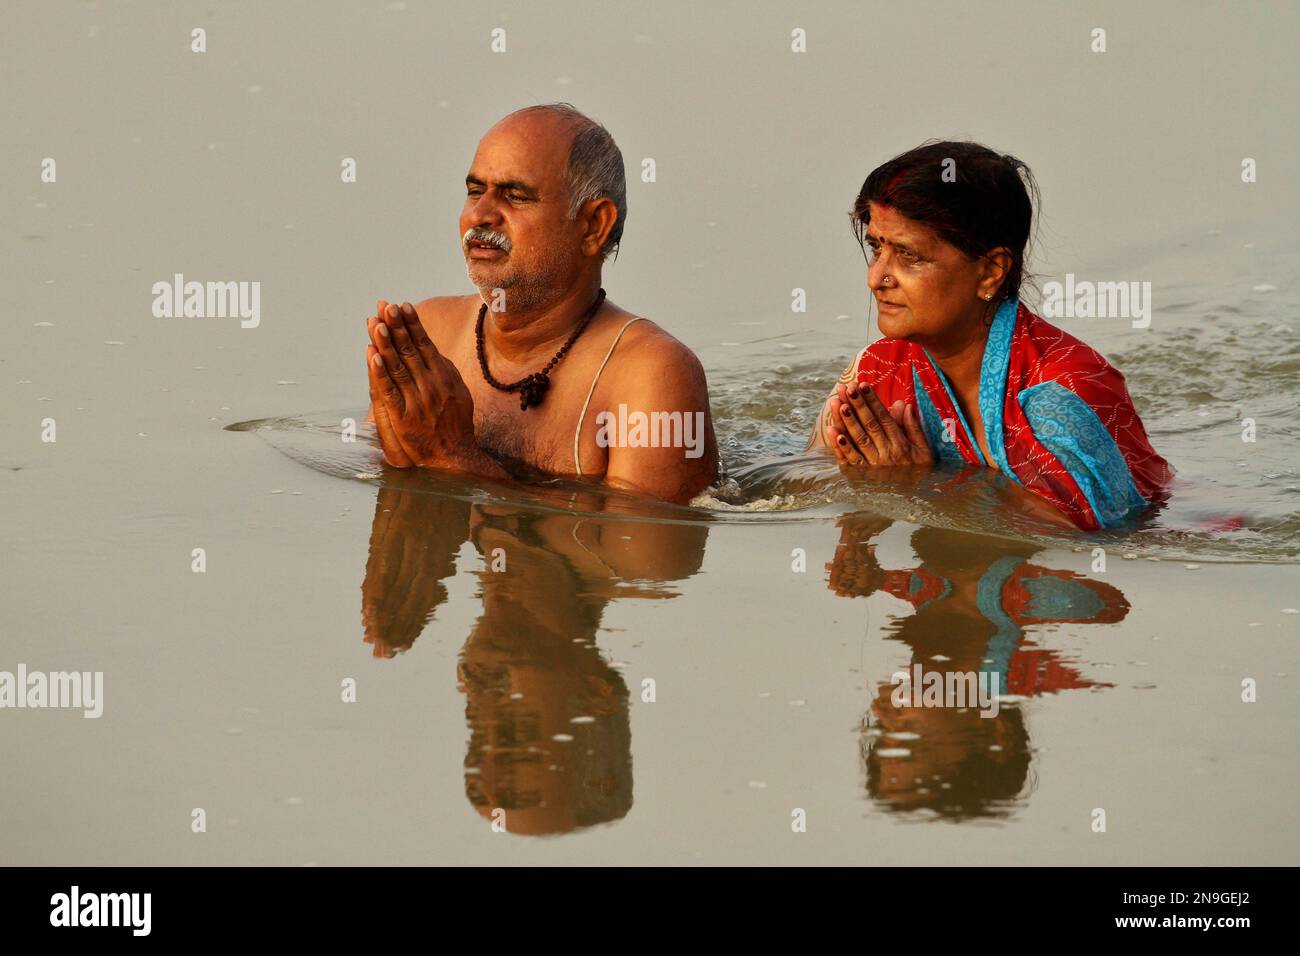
(965, 373)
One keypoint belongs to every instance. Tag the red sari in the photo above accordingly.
(1057, 417)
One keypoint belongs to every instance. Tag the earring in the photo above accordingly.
(988, 296)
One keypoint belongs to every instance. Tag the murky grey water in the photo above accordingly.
(634, 682)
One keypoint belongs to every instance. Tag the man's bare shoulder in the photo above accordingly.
(446, 317)
(444, 307)
(649, 350)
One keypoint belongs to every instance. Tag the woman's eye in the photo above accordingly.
(908, 256)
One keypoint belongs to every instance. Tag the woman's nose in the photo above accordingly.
(876, 272)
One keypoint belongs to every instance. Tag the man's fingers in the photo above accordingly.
(415, 329)
(372, 322)
(382, 386)
(385, 399)
(404, 343)
(393, 362)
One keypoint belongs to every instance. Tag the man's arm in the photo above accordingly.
(662, 379)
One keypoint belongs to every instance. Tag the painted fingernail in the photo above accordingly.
(853, 391)
(842, 440)
(383, 330)
(846, 411)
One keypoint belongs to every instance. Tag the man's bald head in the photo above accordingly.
(591, 160)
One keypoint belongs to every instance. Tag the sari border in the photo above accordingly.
(993, 383)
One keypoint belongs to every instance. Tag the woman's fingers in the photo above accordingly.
(855, 435)
(921, 452)
(889, 436)
(870, 433)
(846, 452)
(895, 445)
(862, 431)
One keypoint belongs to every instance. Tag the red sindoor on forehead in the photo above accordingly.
(889, 187)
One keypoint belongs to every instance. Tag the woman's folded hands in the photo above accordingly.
(865, 432)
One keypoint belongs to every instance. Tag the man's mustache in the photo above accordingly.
(486, 236)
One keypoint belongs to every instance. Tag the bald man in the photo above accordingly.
(538, 373)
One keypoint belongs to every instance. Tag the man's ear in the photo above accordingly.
(598, 217)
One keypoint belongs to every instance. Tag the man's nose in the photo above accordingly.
(485, 211)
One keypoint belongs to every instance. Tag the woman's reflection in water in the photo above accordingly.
(973, 597)
(550, 738)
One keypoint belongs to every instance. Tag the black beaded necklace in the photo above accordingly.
(531, 388)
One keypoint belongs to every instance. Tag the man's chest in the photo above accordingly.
(534, 438)
(541, 437)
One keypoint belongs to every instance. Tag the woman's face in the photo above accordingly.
(935, 296)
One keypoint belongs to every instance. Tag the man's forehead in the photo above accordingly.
(528, 148)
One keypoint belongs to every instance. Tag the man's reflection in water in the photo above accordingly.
(550, 738)
(973, 596)
(414, 540)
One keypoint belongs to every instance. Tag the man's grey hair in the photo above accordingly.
(595, 168)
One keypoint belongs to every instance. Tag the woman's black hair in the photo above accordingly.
(973, 197)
